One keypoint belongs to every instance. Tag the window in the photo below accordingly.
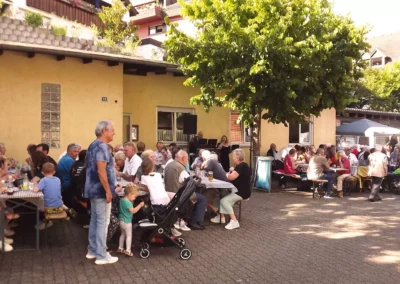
(157, 29)
(238, 133)
(300, 133)
(376, 61)
(170, 124)
(50, 121)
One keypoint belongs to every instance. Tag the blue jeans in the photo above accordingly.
(328, 186)
(98, 228)
(199, 210)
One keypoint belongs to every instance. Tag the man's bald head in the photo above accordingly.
(182, 157)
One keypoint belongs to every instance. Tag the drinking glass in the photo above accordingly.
(210, 175)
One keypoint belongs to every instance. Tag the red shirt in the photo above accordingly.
(288, 166)
(346, 165)
(355, 152)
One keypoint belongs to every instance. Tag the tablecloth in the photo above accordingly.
(35, 198)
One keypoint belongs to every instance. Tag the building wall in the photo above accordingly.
(325, 128)
(82, 89)
(143, 94)
(184, 25)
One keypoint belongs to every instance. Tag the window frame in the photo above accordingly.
(242, 143)
(174, 124)
(311, 125)
(50, 92)
(163, 29)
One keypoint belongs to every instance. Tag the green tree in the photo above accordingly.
(380, 88)
(279, 60)
(114, 31)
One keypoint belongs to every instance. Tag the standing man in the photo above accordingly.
(377, 169)
(100, 189)
(132, 162)
(63, 171)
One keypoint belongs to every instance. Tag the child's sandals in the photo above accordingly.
(126, 252)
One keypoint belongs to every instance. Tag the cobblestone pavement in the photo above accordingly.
(285, 237)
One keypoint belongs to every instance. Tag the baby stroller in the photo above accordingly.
(162, 217)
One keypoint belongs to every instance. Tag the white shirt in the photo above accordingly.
(353, 159)
(132, 165)
(169, 161)
(161, 160)
(155, 184)
(183, 175)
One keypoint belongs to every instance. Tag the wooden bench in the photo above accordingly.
(317, 187)
(349, 183)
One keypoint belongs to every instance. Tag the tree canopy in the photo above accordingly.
(380, 89)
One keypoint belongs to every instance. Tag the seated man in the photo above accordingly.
(319, 164)
(175, 173)
(212, 165)
(343, 163)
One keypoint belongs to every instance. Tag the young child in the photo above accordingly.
(126, 211)
(51, 188)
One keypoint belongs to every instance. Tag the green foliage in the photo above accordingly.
(59, 30)
(284, 59)
(130, 47)
(115, 31)
(34, 19)
(380, 88)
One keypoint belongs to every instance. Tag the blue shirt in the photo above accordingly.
(63, 169)
(98, 151)
(51, 188)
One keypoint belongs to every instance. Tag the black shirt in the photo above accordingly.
(242, 182)
(271, 153)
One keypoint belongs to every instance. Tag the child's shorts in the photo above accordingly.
(54, 210)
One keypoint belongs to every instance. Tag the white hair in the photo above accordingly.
(214, 157)
(119, 155)
(101, 125)
(239, 153)
(206, 155)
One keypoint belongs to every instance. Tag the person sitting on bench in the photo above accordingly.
(289, 167)
(319, 164)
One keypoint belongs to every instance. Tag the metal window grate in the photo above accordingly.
(50, 121)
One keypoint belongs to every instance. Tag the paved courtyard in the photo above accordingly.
(285, 237)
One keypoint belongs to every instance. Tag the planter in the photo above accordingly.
(75, 40)
(93, 48)
(66, 38)
(59, 38)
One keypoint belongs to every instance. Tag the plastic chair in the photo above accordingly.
(362, 175)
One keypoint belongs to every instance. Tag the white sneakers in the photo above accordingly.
(217, 219)
(183, 226)
(90, 256)
(177, 225)
(175, 232)
(7, 247)
(108, 260)
(8, 241)
(232, 225)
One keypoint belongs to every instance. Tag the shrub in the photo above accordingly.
(34, 19)
(59, 30)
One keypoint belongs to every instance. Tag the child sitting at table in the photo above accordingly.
(126, 211)
(51, 188)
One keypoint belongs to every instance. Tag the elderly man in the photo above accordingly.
(65, 152)
(100, 189)
(272, 151)
(45, 149)
(319, 164)
(194, 143)
(352, 158)
(132, 162)
(64, 169)
(377, 170)
(175, 173)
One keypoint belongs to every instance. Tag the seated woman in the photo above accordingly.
(289, 167)
(309, 153)
(240, 177)
(344, 162)
(331, 156)
(38, 160)
(119, 159)
(301, 157)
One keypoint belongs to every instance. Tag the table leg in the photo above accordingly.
(219, 207)
(2, 221)
(37, 228)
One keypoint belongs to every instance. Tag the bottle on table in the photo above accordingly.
(25, 182)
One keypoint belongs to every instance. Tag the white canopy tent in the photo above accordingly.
(366, 128)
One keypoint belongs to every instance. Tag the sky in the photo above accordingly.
(382, 15)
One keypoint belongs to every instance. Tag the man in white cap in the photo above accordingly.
(377, 170)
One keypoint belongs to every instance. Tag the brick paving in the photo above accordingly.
(285, 237)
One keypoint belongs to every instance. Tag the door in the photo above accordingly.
(127, 122)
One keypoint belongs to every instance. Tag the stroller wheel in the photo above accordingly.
(145, 246)
(144, 253)
(186, 254)
(181, 241)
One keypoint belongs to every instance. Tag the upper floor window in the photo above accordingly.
(170, 124)
(158, 29)
(376, 61)
(239, 134)
(50, 119)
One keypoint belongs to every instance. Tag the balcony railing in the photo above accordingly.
(80, 11)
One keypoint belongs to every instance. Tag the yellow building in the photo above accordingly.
(56, 96)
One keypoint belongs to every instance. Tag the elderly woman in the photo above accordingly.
(119, 159)
(240, 177)
(148, 154)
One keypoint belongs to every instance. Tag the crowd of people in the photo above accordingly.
(92, 177)
(334, 166)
